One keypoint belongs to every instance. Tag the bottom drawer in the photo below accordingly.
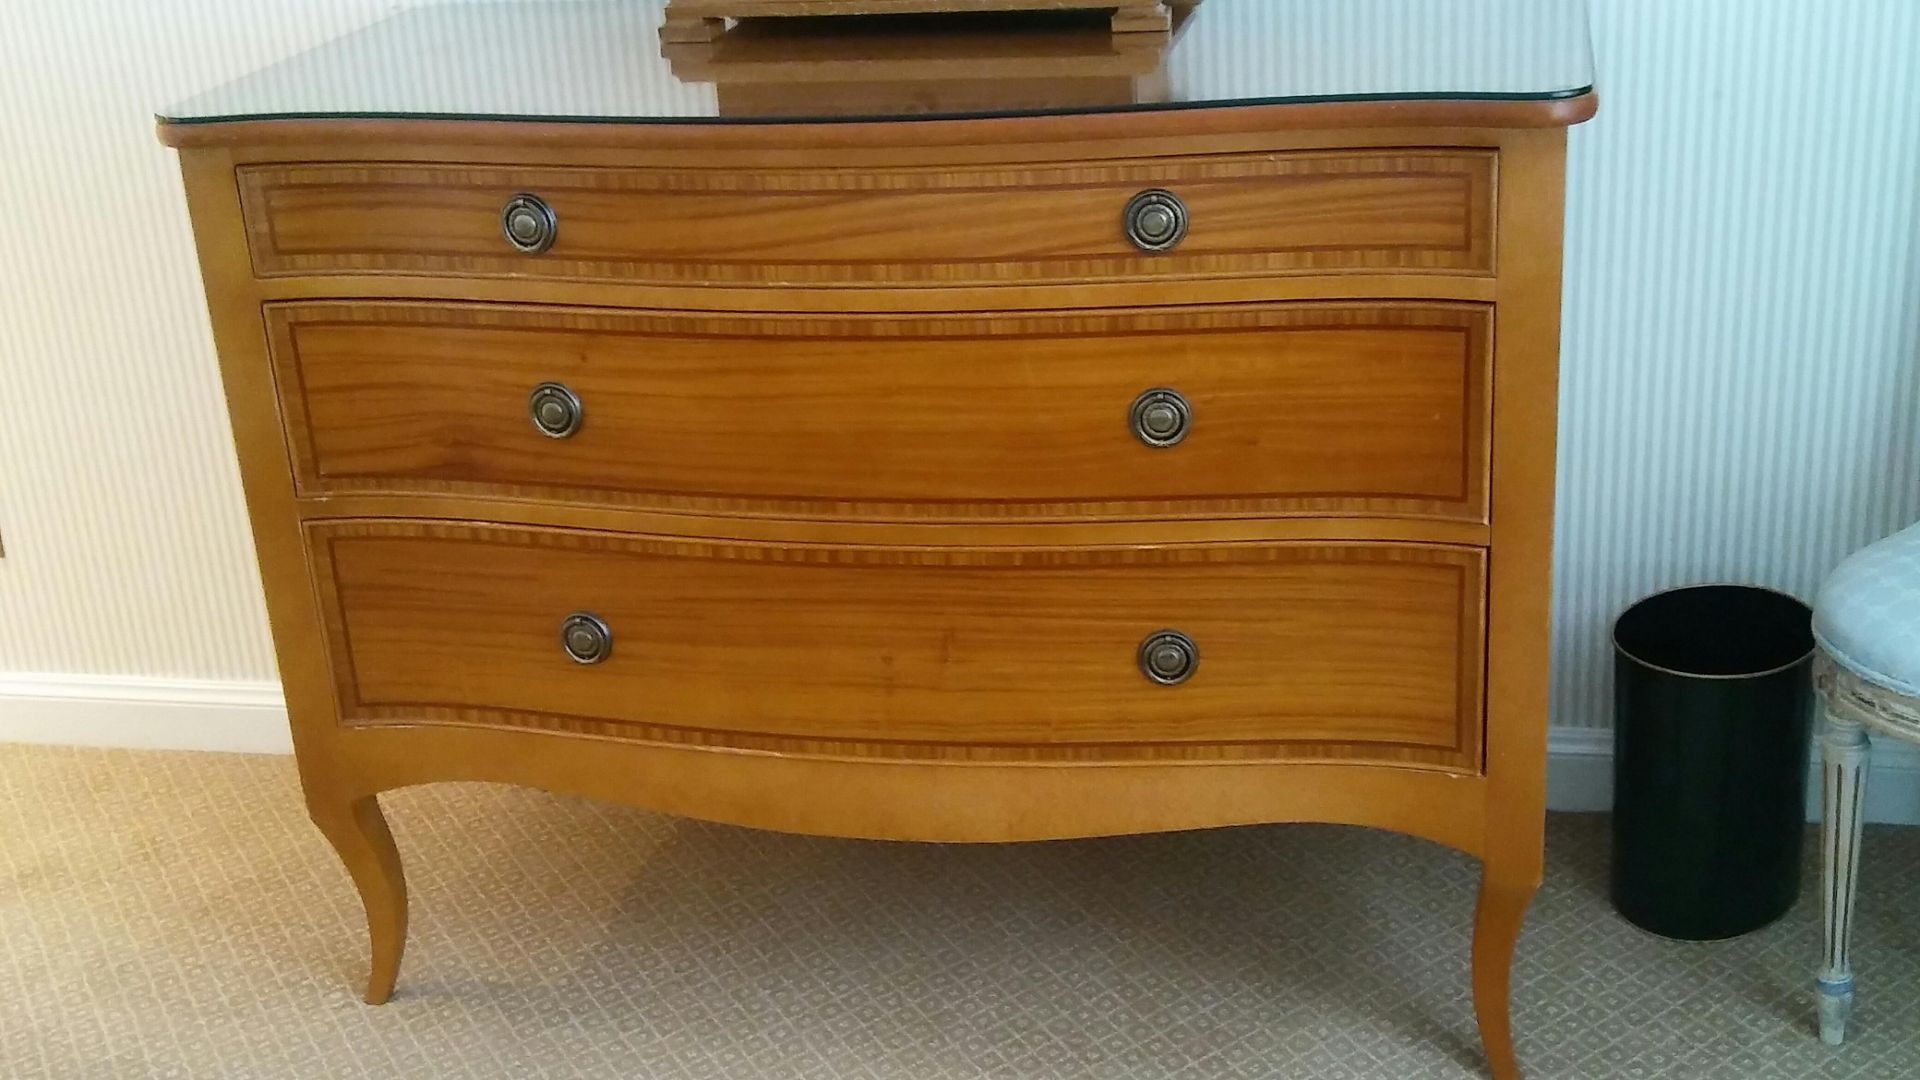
(1290, 649)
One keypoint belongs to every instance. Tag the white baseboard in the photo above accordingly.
(251, 717)
(143, 713)
(1580, 776)
(1579, 769)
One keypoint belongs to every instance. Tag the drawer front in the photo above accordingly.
(1359, 651)
(1305, 408)
(1246, 214)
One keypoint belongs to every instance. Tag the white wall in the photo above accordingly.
(128, 574)
(1741, 345)
(1741, 342)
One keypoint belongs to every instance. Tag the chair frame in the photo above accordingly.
(1854, 706)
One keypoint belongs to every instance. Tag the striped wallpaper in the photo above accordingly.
(1741, 340)
(1742, 324)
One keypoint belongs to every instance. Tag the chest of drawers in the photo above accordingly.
(973, 479)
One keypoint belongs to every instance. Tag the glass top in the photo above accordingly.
(605, 60)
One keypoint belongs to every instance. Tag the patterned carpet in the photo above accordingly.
(174, 915)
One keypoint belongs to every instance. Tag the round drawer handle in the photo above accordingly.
(1168, 657)
(585, 638)
(529, 223)
(555, 409)
(1160, 416)
(1155, 220)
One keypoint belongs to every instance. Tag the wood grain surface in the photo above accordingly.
(870, 671)
(1364, 651)
(928, 801)
(1313, 408)
(1418, 209)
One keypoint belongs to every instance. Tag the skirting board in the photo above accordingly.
(144, 713)
(251, 717)
(1580, 776)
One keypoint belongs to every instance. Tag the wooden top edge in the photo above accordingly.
(1448, 113)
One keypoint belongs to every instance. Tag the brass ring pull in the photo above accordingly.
(1160, 417)
(1168, 657)
(555, 409)
(586, 638)
(529, 224)
(1155, 220)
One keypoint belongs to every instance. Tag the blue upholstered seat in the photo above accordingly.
(1867, 615)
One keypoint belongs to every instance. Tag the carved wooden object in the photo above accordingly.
(703, 20)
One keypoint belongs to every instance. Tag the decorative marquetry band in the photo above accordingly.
(1293, 408)
(932, 654)
(1392, 209)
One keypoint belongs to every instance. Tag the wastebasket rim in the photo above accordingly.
(1613, 634)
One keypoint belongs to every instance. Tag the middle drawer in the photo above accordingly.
(1225, 410)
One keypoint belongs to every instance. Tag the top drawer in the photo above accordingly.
(1246, 214)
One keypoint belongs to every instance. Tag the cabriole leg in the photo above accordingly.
(358, 831)
(1843, 757)
(1497, 918)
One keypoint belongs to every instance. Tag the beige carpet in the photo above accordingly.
(174, 915)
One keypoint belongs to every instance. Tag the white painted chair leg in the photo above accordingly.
(1843, 755)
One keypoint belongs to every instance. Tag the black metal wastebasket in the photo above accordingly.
(1712, 714)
